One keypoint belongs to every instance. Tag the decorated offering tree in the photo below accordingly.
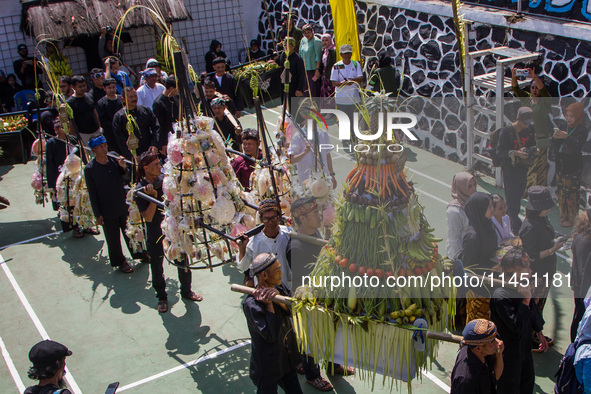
(200, 188)
(383, 251)
(135, 229)
(72, 194)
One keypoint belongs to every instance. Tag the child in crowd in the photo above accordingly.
(501, 221)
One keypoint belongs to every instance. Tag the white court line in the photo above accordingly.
(15, 376)
(270, 110)
(436, 380)
(30, 240)
(35, 319)
(432, 196)
(185, 365)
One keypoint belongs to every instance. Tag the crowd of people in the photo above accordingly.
(502, 326)
(479, 228)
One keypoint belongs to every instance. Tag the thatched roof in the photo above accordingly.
(61, 19)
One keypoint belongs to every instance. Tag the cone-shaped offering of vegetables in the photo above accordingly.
(373, 278)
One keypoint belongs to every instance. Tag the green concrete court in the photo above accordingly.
(63, 288)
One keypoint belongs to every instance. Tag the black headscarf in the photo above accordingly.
(214, 45)
(384, 60)
(475, 209)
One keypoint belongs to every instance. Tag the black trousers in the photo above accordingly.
(157, 268)
(515, 181)
(112, 228)
(518, 376)
(289, 383)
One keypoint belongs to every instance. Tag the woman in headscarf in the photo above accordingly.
(568, 145)
(386, 78)
(329, 58)
(479, 247)
(215, 51)
(463, 186)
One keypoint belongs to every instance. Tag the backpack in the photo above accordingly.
(566, 378)
(492, 148)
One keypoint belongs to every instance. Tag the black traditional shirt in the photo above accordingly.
(472, 376)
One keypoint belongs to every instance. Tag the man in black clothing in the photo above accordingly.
(166, 110)
(515, 315)
(297, 72)
(49, 368)
(480, 360)
(48, 116)
(65, 87)
(254, 51)
(105, 180)
(306, 214)
(289, 29)
(97, 76)
(225, 83)
(210, 93)
(223, 124)
(274, 352)
(512, 150)
(106, 108)
(145, 126)
(24, 68)
(56, 151)
(85, 118)
(149, 170)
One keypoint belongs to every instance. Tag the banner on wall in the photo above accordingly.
(575, 10)
(345, 26)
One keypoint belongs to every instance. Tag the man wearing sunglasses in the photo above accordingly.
(274, 239)
(97, 76)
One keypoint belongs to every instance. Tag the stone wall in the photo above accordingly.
(426, 49)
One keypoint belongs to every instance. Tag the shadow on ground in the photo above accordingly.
(13, 232)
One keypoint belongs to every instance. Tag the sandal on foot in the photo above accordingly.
(300, 369)
(320, 384)
(193, 297)
(340, 370)
(78, 234)
(125, 268)
(162, 306)
(92, 230)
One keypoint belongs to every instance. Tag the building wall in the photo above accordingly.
(224, 20)
(420, 35)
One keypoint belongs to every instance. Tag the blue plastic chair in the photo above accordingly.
(22, 98)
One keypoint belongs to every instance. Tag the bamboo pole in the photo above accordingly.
(279, 299)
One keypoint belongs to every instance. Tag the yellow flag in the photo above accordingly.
(345, 26)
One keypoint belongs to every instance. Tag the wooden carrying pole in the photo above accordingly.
(279, 299)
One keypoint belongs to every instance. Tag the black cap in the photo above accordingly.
(48, 352)
(250, 134)
(21, 46)
(254, 42)
(218, 60)
(525, 115)
(539, 198)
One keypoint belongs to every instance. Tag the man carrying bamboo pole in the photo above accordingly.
(105, 180)
(272, 239)
(274, 350)
(151, 182)
(479, 363)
